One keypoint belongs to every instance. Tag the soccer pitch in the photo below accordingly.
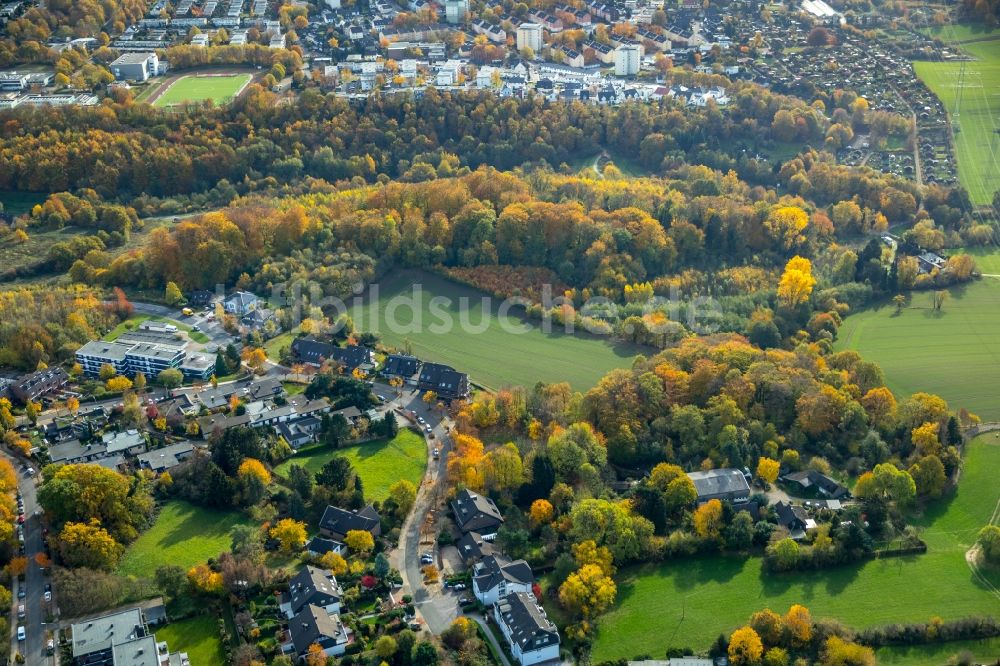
(195, 88)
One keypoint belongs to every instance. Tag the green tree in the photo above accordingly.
(172, 294)
(170, 378)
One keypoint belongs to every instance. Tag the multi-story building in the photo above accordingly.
(97, 353)
(455, 11)
(135, 66)
(128, 358)
(531, 635)
(627, 58)
(529, 35)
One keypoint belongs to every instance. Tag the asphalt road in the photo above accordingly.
(435, 605)
(33, 586)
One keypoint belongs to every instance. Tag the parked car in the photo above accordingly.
(437, 453)
(459, 586)
(50, 647)
(465, 601)
(47, 596)
(421, 420)
(48, 587)
(20, 611)
(20, 633)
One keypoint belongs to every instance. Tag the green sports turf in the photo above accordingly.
(490, 354)
(198, 636)
(380, 464)
(196, 88)
(183, 534)
(954, 353)
(690, 602)
(970, 92)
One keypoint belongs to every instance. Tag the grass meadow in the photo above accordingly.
(195, 88)
(937, 653)
(183, 534)
(198, 636)
(380, 464)
(690, 602)
(970, 92)
(490, 354)
(954, 353)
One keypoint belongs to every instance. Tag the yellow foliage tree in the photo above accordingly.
(588, 591)
(799, 625)
(588, 552)
(118, 384)
(767, 469)
(541, 512)
(708, 519)
(204, 580)
(251, 467)
(359, 541)
(291, 533)
(796, 283)
(745, 647)
(786, 224)
(925, 439)
(333, 562)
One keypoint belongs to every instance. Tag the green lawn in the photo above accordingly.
(490, 354)
(380, 464)
(132, 323)
(183, 534)
(987, 258)
(938, 653)
(954, 353)
(970, 92)
(274, 345)
(963, 32)
(194, 88)
(18, 203)
(689, 603)
(198, 636)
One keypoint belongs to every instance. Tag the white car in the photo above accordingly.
(20, 633)
(48, 596)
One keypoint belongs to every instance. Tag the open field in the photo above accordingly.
(962, 32)
(198, 636)
(490, 354)
(938, 653)
(195, 88)
(970, 92)
(987, 258)
(183, 534)
(19, 203)
(954, 353)
(689, 602)
(379, 464)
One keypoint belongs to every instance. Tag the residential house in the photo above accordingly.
(201, 297)
(729, 485)
(257, 318)
(319, 546)
(166, 458)
(494, 577)
(299, 432)
(448, 383)
(531, 635)
(473, 547)
(74, 452)
(794, 519)
(313, 625)
(259, 414)
(240, 303)
(337, 522)
(315, 353)
(311, 586)
(476, 513)
(130, 442)
(824, 485)
(121, 638)
(401, 365)
(33, 386)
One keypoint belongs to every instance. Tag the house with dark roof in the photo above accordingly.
(315, 625)
(165, 458)
(35, 385)
(794, 519)
(319, 546)
(811, 480)
(73, 451)
(473, 547)
(531, 635)
(444, 380)
(315, 352)
(728, 485)
(495, 577)
(299, 432)
(401, 365)
(311, 586)
(475, 513)
(337, 522)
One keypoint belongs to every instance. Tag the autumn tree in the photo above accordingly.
(404, 494)
(334, 562)
(541, 512)
(290, 533)
(767, 469)
(989, 542)
(708, 520)
(170, 378)
(89, 545)
(588, 592)
(359, 541)
(798, 625)
(172, 294)
(745, 648)
(796, 283)
(886, 482)
(205, 581)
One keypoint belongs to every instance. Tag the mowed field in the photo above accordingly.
(485, 348)
(195, 88)
(184, 535)
(970, 92)
(198, 636)
(689, 603)
(379, 464)
(938, 653)
(954, 353)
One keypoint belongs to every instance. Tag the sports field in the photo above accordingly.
(690, 602)
(379, 464)
(483, 346)
(954, 353)
(195, 88)
(970, 92)
(183, 534)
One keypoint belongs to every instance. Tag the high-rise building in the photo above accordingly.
(627, 60)
(455, 11)
(529, 35)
